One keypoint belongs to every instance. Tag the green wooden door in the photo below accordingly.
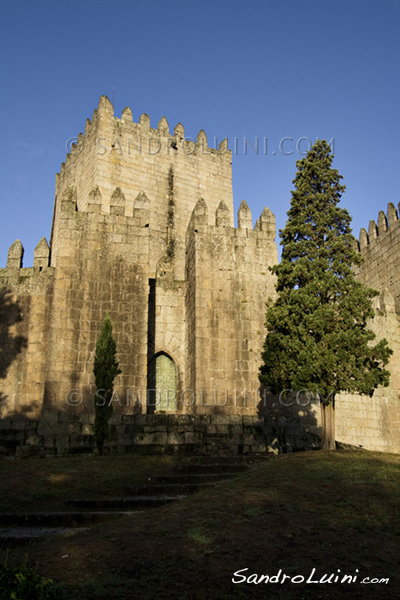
(162, 384)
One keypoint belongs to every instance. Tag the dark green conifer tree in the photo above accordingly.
(105, 370)
(318, 338)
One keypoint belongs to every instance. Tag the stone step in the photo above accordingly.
(169, 489)
(17, 530)
(195, 478)
(131, 502)
(19, 536)
(198, 474)
(57, 519)
(203, 468)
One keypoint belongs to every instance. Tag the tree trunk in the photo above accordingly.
(328, 424)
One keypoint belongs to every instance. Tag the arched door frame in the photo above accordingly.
(163, 402)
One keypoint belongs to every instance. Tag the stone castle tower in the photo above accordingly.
(143, 229)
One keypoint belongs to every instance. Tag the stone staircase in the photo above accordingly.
(18, 529)
(197, 474)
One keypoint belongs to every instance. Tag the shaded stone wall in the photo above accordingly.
(374, 422)
(26, 297)
(62, 433)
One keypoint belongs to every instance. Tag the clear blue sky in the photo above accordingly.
(237, 68)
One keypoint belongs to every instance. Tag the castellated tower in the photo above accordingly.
(143, 228)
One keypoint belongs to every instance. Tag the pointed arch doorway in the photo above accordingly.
(161, 384)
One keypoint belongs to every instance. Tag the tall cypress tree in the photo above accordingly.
(318, 337)
(105, 370)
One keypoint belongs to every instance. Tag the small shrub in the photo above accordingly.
(23, 583)
(105, 370)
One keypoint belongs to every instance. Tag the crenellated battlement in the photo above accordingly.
(122, 168)
(200, 221)
(41, 256)
(129, 138)
(380, 249)
(376, 230)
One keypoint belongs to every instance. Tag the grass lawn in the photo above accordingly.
(327, 511)
(39, 485)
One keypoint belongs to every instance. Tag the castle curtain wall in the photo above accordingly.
(374, 422)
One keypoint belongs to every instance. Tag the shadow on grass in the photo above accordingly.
(335, 512)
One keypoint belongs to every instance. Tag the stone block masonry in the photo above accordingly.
(143, 228)
(380, 249)
(150, 434)
(374, 423)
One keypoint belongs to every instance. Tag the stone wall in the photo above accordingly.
(374, 422)
(143, 230)
(228, 276)
(147, 237)
(63, 433)
(25, 304)
(380, 249)
(117, 161)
